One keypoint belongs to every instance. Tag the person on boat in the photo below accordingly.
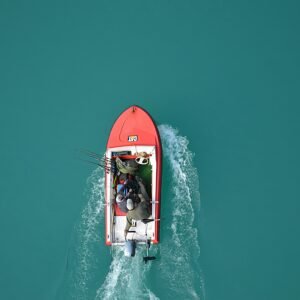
(127, 167)
(122, 202)
(129, 189)
(137, 211)
(130, 185)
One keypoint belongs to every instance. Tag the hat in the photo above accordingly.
(119, 198)
(129, 204)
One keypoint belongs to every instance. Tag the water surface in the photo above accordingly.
(225, 74)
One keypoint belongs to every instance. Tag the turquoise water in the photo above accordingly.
(221, 78)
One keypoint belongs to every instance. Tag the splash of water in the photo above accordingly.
(85, 242)
(87, 232)
(180, 249)
(126, 278)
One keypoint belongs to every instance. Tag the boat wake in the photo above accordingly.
(176, 272)
(126, 278)
(82, 258)
(177, 266)
(87, 231)
(180, 248)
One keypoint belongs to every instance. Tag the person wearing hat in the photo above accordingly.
(137, 211)
(131, 185)
(121, 199)
(122, 202)
(128, 189)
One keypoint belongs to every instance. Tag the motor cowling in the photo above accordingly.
(129, 248)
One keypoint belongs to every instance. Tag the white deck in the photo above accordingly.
(140, 231)
(115, 225)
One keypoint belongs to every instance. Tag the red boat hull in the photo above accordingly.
(135, 127)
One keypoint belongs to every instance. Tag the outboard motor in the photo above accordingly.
(129, 248)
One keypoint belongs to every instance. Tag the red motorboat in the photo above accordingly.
(134, 141)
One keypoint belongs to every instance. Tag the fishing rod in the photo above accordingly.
(103, 162)
(106, 168)
(95, 155)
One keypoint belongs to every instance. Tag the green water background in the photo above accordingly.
(225, 73)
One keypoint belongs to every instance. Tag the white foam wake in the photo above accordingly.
(86, 241)
(126, 278)
(91, 217)
(180, 249)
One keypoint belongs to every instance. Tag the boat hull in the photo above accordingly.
(134, 132)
